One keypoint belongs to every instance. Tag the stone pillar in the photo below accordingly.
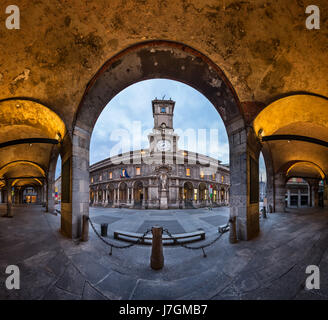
(115, 196)
(75, 182)
(128, 196)
(106, 196)
(9, 198)
(299, 203)
(288, 197)
(309, 196)
(325, 195)
(50, 182)
(144, 197)
(280, 192)
(266, 152)
(244, 145)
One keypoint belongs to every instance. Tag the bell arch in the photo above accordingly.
(175, 61)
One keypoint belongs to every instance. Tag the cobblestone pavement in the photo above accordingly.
(272, 266)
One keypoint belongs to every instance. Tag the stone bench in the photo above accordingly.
(187, 237)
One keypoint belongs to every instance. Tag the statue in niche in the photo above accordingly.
(163, 180)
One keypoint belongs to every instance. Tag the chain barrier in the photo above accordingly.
(175, 240)
(114, 245)
(202, 247)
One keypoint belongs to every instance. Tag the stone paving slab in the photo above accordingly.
(272, 266)
(215, 220)
(172, 225)
(105, 219)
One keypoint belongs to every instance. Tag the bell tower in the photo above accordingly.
(163, 138)
(163, 113)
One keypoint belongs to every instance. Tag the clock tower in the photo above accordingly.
(163, 138)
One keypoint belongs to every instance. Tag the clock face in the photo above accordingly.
(163, 145)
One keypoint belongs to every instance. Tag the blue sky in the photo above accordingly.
(133, 106)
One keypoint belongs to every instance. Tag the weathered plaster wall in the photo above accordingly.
(262, 46)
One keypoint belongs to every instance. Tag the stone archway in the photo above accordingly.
(202, 192)
(122, 193)
(175, 61)
(138, 194)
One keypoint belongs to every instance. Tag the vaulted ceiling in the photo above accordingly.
(302, 120)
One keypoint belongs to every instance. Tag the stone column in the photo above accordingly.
(106, 196)
(9, 198)
(315, 197)
(75, 181)
(309, 195)
(115, 197)
(325, 195)
(288, 197)
(299, 203)
(132, 197)
(50, 183)
(144, 197)
(244, 145)
(128, 196)
(280, 192)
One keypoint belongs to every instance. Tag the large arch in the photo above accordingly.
(294, 134)
(175, 61)
(32, 135)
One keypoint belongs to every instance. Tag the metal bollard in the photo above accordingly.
(85, 228)
(157, 258)
(233, 232)
(264, 213)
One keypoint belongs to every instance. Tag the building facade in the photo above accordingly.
(162, 176)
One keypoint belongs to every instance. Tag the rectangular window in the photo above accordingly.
(188, 172)
(163, 110)
(222, 178)
(213, 176)
(205, 194)
(110, 175)
(202, 174)
(138, 171)
(92, 180)
(100, 178)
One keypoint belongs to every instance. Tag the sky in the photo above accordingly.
(131, 110)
